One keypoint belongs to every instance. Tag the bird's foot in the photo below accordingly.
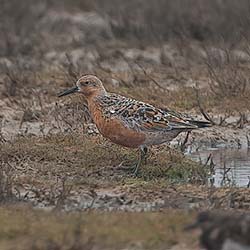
(124, 167)
(135, 170)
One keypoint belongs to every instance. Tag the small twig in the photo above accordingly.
(183, 145)
(208, 159)
(248, 141)
(223, 119)
(203, 112)
(2, 139)
(242, 120)
(225, 176)
(64, 193)
(72, 71)
(248, 184)
(150, 77)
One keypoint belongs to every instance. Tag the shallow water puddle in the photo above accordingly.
(229, 167)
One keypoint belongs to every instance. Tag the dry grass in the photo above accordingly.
(24, 228)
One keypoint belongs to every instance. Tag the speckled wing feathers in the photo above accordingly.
(142, 116)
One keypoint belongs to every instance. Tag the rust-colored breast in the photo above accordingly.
(113, 129)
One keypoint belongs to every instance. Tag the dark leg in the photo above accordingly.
(143, 152)
(145, 157)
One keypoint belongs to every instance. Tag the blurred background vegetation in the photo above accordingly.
(25, 24)
(183, 39)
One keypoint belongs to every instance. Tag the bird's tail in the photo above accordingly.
(201, 124)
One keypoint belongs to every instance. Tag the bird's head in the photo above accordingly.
(88, 86)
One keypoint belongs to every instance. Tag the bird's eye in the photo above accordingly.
(85, 83)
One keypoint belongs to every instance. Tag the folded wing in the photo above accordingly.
(145, 117)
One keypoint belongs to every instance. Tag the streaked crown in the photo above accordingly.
(88, 85)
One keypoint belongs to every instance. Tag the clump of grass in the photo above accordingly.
(171, 165)
(86, 159)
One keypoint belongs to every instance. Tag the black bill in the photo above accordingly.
(68, 91)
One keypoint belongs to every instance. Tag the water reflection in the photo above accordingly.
(231, 167)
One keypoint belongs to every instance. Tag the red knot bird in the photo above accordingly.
(129, 122)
